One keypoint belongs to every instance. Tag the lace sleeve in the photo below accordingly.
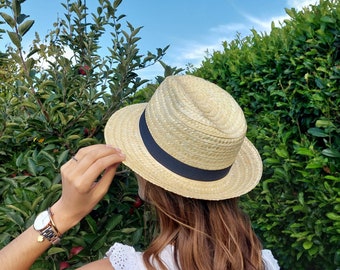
(123, 257)
(270, 263)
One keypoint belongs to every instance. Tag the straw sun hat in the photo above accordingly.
(188, 139)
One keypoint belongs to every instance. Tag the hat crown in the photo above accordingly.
(196, 122)
(186, 139)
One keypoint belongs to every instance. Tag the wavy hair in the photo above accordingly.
(206, 235)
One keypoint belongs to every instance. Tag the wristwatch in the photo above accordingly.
(45, 226)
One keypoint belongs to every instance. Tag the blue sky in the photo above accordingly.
(190, 27)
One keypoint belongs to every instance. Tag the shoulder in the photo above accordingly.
(269, 261)
(124, 257)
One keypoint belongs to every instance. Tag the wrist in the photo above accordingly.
(63, 222)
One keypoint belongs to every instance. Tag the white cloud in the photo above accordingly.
(299, 4)
(232, 27)
(193, 52)
(264, 25)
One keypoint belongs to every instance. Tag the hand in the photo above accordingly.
(81, 189)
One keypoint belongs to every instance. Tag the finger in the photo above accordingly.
(84, 182)
(88, 156)
(74, 171)
(88, 149)
(101, 164)
(87, 153)
(104, 183)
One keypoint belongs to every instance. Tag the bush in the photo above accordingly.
(51, 105)
(288, 85)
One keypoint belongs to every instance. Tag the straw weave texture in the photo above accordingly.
(197, 123)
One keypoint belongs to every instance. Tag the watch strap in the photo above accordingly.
(51, 235)
(55, 235)
(50, 232)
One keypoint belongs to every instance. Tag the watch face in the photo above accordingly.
(41, 221)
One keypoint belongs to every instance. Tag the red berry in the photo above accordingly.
(86, 131)
(83, 70)
(138, 202)
(64, 265)
(26, 173)
(75, 250)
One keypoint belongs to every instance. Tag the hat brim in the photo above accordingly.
(122, 131)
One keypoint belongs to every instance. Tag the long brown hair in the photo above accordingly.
(206, 235)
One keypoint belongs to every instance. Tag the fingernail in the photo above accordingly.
(118, 149)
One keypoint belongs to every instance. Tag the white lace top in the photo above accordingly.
(123, 257)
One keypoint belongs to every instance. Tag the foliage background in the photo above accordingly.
(287, 83)
(51, 105)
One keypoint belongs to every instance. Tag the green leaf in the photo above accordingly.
(29, 64)
(29, 105)
(116, 3)
(47, 83)
(305, 152)
(272, 161)
(301, 198)
(16, 8)
(25, 27)
(324, 123)
(73, 137)
(281, 152)
(55, 250)
(18, 210)
(328, 19)
(333, 178)
(99, 242)
(19, 160)
(62, 117)
(16, 218)
(21, 18)
(113, 222)
(15, 39)
(317, 132)
(307, 244)
(92, 224)
(32, 168)
(137, 236)
(128, 230)
(315, 164)
(331, 153)
(62, 157)
(313, 250)
(8, 19)
(333, 216)
(47, 155)
(87, 141)
(33, 51)
(36, 201)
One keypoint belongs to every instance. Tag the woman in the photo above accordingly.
(188, 149)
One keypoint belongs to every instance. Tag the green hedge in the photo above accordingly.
(288, 83)
(51, 105)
